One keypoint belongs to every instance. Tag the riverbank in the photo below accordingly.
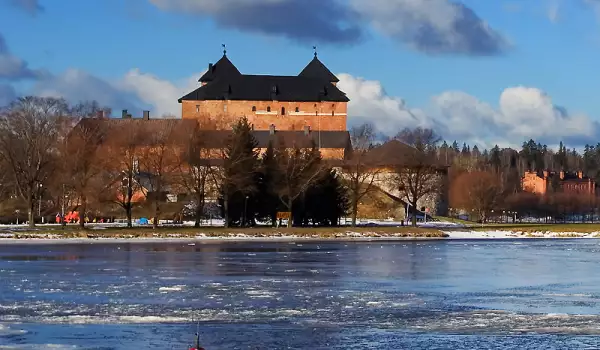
(112, 234)
(117, 234)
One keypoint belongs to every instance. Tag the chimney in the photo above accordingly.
(562, 174)
(272, 129)
(146, 115)
(210, 67)
(580, 174)
(306, 130)
(124, 114)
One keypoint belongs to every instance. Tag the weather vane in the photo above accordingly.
(315, 48)
(224, 49)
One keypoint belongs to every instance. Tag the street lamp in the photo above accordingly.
(245, 211)
(62, 211)
(40, 203)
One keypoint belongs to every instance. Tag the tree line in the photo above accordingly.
(486, 183)
(55, 156)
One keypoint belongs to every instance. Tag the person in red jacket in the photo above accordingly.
(197, 347)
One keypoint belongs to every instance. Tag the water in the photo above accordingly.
(371, 295)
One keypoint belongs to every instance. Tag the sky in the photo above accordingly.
(477, 71)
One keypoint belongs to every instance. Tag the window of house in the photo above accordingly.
(253, 108)
(269, 109)
(282, 110)
(297, 109)
(197, 108)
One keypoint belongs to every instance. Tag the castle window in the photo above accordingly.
(253, 108)
(282, 110)
(197, 108)
(269, 109)
(332, 113)
(297, 109)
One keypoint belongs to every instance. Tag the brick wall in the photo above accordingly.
(222, 114)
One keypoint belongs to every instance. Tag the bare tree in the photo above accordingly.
(423, 139)
(28, 143)
(298, 169)
(194, 171)
(159, 160)
(418, 175)
(80, 164)
(358, 171)
(121, 152)
(478, 191)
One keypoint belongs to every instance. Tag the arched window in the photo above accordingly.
(253, 108)
(297, 109)
(282, 110)
(269, 109)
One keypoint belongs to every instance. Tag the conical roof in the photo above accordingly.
(317, 70)
(223, 68)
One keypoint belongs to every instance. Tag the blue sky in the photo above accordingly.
(478, 71)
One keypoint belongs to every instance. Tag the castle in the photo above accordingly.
(310, 100)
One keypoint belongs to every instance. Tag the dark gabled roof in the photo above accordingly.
(268, 88)
(225, 82)
(317, 70)
(286, 138)
(222, 69)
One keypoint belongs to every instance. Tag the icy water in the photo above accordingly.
(530, 294)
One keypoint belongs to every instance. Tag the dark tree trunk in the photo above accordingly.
(30, 214)
(82, 210)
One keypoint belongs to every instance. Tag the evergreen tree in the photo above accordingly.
(267, 203)
(496, 159)
(324, 203)
(237, 178)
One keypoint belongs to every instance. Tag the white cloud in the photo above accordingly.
(12, 67)
(135, 91)
(522, 113)
(161, 94)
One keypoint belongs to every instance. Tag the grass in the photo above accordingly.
(259, 232)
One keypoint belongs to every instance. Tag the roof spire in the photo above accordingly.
(315, 48)
(224, 49)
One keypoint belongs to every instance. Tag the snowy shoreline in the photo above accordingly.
(351, 237)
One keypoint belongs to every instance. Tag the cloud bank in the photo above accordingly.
(522, 113)
(13, 68)
(429, 26)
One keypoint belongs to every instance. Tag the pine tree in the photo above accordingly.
(325, 202)
(267, 202)
(237, 179)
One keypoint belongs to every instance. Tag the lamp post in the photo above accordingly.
(62, 210)
(245, 211)
(40, 203)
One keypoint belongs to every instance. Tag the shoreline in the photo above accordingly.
(452, 235)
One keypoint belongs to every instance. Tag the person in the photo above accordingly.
(197, 346)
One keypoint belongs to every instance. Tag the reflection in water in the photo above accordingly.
(325, 295)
